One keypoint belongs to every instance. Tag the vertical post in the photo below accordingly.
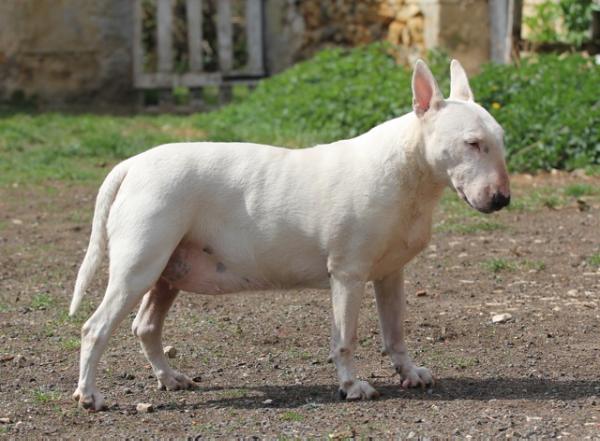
(508, 39)
(138, 47)
(224, 36)
(194, 27)
(596, 25)
(164, 15)
(517, 24)
(498, 12)
(254, 37)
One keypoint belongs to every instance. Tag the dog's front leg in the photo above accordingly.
(391, 305)
(346, 295)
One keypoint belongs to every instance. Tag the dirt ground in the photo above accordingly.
(260, 359)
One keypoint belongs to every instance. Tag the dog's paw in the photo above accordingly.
(92, 401)
(416, 376)
(358, 390)
(175, 381)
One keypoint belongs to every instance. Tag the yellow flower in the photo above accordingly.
(496, 105)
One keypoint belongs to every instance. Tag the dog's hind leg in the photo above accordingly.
(135, 267)
(148, 325)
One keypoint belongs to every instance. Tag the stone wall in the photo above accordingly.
(461, 27)
(65, 51)
(79, 51)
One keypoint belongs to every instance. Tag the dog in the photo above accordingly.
(214, 218)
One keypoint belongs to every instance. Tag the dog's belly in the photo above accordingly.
(196, 268)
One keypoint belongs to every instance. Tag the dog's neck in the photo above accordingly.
(401, 144)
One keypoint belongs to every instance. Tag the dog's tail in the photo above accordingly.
(98, 238)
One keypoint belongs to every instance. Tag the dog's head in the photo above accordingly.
(464, 145)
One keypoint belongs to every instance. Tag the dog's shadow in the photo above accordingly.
(451, 389)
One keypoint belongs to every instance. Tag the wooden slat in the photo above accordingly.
(498, 13)
(167, 80)
(254, 37)
(224, 35)
(194, 25)
(164, 17)
(138, 47)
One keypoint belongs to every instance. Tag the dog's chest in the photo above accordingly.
(407, 240)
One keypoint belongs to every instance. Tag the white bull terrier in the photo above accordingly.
(214, 218)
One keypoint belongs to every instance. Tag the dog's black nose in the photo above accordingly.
(500, 201)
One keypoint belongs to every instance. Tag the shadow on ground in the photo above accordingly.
(452, 389)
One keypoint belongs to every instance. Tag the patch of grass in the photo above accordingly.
(594, 259)
(235, 393)
(37, 147)
(537, 265)
(4, 307)
(470, 227)
(498, 265)
(45, 397)
(444, 359)
(71, 343)
(42, 301)
(292, 416)
(580, 189)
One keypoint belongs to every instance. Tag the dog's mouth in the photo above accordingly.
(464, 197)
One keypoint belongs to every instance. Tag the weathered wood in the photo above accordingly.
(164, 15)
(138, 47)
(508, 39)
(498, 13)
(164, 79)
(224, 36)
(194, 28)
(225, 93)
(167, 79)
(254, 37)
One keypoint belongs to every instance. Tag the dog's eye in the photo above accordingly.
(474, 144)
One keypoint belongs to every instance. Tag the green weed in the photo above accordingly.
(537, 265)
(594, 259)
(42, 301)
(580, 189)
(235, 393)
(44, 397)
(467, 227)
(498, 265)
(71, 343)
(292, 416)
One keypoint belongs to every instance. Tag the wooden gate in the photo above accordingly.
(165, 78)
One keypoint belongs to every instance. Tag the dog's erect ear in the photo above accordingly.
(426, 93)
(459, 83)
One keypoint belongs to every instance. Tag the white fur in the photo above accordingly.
(228, 217)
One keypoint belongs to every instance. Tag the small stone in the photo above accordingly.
(345, 434)
(20, 361)
(170, 351)
(127, 376)
(268, 401)
(144, 408)
(533, 418)
(19, 424)
(502, 318)
(127, 391)
(5, 420)
(17, 222)
(421, 293)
